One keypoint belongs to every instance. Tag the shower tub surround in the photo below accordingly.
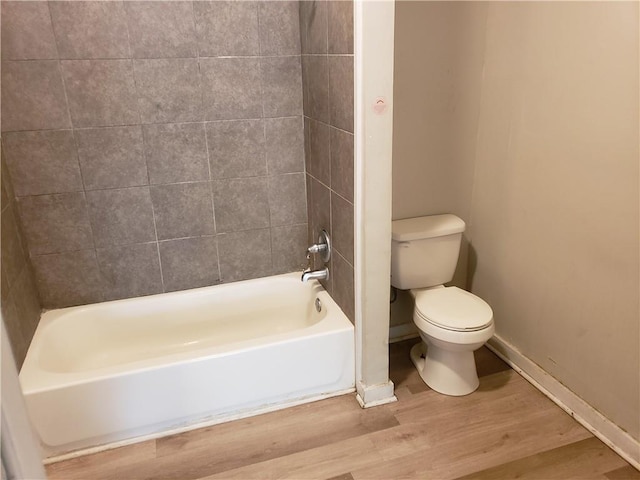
(114, 371)
(160, 146)
(154, 146)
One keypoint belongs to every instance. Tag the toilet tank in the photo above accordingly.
(424, 250)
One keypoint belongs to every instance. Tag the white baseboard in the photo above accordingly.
(374, 395)
(603, 428)
(404, 331)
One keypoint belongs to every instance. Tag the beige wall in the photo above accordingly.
(439, 50)
(551, 141)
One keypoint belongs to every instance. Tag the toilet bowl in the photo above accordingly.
(453, 324)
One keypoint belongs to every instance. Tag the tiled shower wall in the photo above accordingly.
(156, 146)
(20, 301)
(327, 72)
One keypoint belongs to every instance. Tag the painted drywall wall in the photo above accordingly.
(439, 53)
(554, 210)
(552, 198)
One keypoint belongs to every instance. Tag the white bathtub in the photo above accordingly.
(113, 371)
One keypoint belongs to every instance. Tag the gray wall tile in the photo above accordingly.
(130, 271)
(313, 21)
(189, 263)
(316, 87)
(161, 29)
(13, 256)
(307, 148)
(90, 29)
(342, 175)
(4, 173)
(169, 90)
(241, 204)
(7, 184)
(55, 223)
(111, 157)
(342, 226)
(319, 199)
(343, 286)
(289, 248)
(11, 320)
(100, 92)
(20, 300)
(67, 279)
(43, 162)
(27, 304)
(341, 92)
(279, 28)
(318, 27)
(27, 32)
(227, 28)
(4, 195)
(127, 63)
(121, 216)
(183, 210)
(281, 86)
(284, 145)
(231, 88)
(327, 34)
(319, 264)
(237, 148)
(287, 195)
(318, 156)
(340, 26)
(176, 152)
(33, 96)
(245, 254)
(304, 16)
(4, 284)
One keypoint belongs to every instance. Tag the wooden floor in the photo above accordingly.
(506, 429)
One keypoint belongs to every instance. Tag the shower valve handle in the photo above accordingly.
(317, 248)
(323, 247)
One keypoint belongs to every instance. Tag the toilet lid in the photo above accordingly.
(452, 308)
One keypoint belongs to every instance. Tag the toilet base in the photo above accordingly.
(445, 371)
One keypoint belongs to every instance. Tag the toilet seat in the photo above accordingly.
(452, 308)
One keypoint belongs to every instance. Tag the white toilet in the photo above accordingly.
(453, 323)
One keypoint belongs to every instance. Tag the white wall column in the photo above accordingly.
(374, 52)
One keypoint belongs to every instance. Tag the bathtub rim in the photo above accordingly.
(32, 375)
(183, 358)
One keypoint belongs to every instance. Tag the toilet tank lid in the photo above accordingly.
(426, 227)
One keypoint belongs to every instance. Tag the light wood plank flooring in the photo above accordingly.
(506, 429)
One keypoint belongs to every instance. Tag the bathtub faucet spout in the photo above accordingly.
(315, 275)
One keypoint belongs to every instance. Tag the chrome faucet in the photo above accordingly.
(323, 249)
(315, 275)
